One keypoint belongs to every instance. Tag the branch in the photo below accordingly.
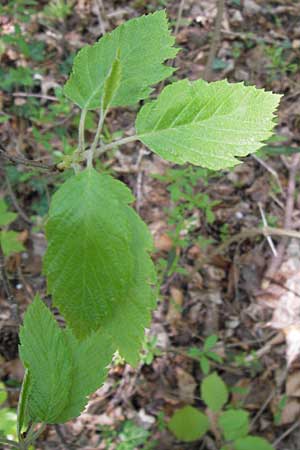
(215, 39)
(8, 292)
(26, 162)
(277, 260)
(15, 201)
(126, 140)
(246, 234)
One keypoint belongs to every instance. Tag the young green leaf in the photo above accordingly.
(207, 124)
(6, 217)
(91, 358)
(10, 243)
(234, 424)
(204, 364)
(215, 357)
(48, 359)
(111, 84)
(188, 424)
(210, 342)
(22, 404)
(143, 44)
(3, 393)
(252, 442)
(97, 262)
(214, 392)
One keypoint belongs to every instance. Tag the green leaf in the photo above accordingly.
(111, 83)
(252, 442)
(91, 358)
(207, 124)
(143, 44)
(97, 262)
(204, 365)
(214, 356)
(48, 359)
(8, 421)
(10, 243)
(214, 392)
(23, 403)
(234, 424)
(6, 217)
(3, 393)
(210, 342)
(188, 424)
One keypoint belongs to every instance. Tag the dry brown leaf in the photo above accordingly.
(175, 306)
(293, 385)
(186, 385)
(283, 296)
(163, 243)
(290, 412)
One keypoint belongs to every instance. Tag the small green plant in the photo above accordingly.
(189, 424)
(280, 407)
(58, 9)
(98, 266)
(249, 361)
(150, 350)
(129, 437)
(279, 65)
(8, 417)
(206, 354)
(9, 240)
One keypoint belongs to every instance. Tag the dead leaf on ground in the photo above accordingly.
(293, 385)
(186, 386)
(283, 296)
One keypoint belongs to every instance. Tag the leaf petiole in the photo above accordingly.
(10, 443)
(104, 148)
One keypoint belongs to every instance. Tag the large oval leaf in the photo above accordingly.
(143, 44)
(207, 124)
(97, 262)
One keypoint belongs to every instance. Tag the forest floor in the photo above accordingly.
(219, 273)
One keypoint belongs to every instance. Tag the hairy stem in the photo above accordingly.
(92, 151)
(81, 141)
(10, 443)
(215, 39)
(33, 435)
(104, 148)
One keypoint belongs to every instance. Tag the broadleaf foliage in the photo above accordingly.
(48, 359)
(143, 45)
(207, 124)
(90, 358)
(97, 262)
(252, 442)
(62, 371)
(188, 424)
(214, 392)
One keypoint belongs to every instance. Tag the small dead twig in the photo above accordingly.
(249, 233)
(101, 15)
(270, 170)
(215, 40)
(26, 162)
(265, 223)
(15, 201)
(29, 94)
(62, 438)
(290, 200)
(286, 433)
(15, 313)
(262, 409)
(179, 17)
